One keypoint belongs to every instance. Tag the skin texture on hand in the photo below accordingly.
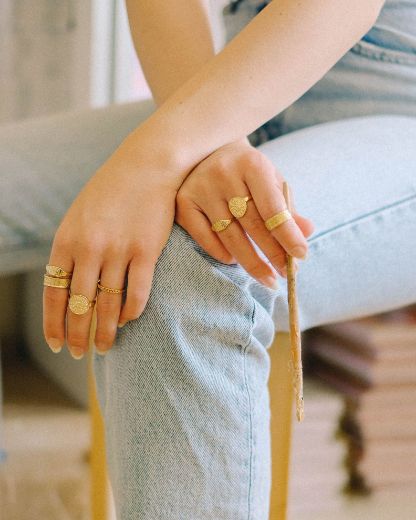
(238, 169)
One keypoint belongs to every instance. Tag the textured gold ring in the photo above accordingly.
(238, 206)
(110, 289)
(53, 281)
(220, 225)
(278, 219)
(80, 304)
(53, 270)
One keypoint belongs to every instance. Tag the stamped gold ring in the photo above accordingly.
(222, 224)
(79, 303)
(54, 270)
(238, 206)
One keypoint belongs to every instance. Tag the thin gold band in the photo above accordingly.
(110, 289)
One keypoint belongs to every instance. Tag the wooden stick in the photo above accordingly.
(295, 338)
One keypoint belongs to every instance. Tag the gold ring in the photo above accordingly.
(238, 206)
(278, 219)
(80, 304)
(53, 281)
(110, 289)
(53, 270)
(220, 225)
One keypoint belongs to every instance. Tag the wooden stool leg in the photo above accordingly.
(281, 402)
(98, 472)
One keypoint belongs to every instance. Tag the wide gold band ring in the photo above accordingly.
(278, 219)
(238, 206)
(53, 281)
(58, 272)
(80, 304)
(110, 289)
(220, 225)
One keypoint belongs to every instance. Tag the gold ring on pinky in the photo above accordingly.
(278, 219)
(53, 270)
(110, 289)
(238, 206)
(220, 225)
(53, 281)
(80, 304)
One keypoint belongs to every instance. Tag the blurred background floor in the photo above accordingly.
(47, 441)
(45, 475)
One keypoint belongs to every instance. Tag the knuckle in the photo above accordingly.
(255, 160)
(222, 168)
(62, 239)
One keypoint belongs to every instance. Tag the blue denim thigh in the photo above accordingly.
(184, 394)
(356, 180)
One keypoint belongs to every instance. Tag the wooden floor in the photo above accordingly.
(46, 474)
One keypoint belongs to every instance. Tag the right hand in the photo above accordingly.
(239, 169)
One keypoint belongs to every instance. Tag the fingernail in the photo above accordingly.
(299, 252)
(55, 345)
(101, 352)
(271, 282)
(76, 353)
(121, 324)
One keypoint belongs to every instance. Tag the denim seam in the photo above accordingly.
(371, 51)
(370, 214)
(250, 412)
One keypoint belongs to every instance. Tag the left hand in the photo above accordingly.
(117, 225)
(239, 169)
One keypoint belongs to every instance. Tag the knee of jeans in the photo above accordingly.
(192, 293)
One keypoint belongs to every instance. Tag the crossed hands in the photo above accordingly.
(119, 223)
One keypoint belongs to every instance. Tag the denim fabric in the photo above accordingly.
(184, 390)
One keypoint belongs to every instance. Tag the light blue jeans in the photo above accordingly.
(184, 390)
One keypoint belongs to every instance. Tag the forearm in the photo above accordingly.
(277, 57)
(173, 40)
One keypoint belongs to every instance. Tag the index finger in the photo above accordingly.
(55, 302)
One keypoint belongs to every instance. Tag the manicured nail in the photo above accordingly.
(271, 282)
(275, 285)
(121, 324)
(55, 345)
(299, 252)
(76, 353)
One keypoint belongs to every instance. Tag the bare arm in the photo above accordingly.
(276, 58)
(173, 40)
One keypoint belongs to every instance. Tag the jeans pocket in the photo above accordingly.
(384, 54)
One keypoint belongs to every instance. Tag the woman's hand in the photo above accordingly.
(238, 169)
(118, 223)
